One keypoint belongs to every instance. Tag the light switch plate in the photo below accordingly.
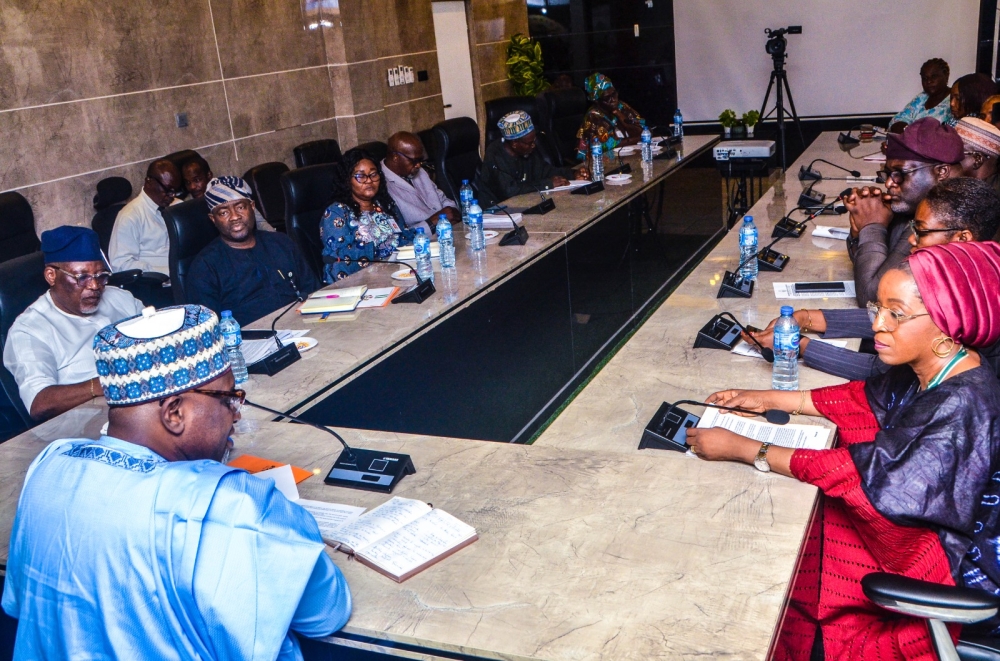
(392, 81)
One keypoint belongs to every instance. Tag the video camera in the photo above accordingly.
(776, 43)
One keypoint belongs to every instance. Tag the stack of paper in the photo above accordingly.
(501, 221)
(812, 437)
(333, 300)
(406, 252)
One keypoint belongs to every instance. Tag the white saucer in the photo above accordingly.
(404, 274)
(304, 344)
(618, 179)
(487, 234)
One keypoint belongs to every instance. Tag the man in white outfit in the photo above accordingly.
(418, 198)
(139, 239)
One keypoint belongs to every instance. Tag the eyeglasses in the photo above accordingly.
(413, 161)
(899, 176)
(232, 398)
(923, 233)
(225, 213)
(83, 280)
(168, 192)
(362, 177)
(890, 318)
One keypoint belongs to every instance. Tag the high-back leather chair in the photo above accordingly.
(265, 183)
(378, 150)
(21, 283)
(308, 191)
(456, 146)
(427, 138)
(112, 194)
(317, 152)
(190, 230)
(17, 227)
(179, 158)
(561, 114)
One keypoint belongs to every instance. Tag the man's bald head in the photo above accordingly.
(163, 182)
(406, 154)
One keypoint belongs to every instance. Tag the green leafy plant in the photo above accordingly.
(728, 118)
(750, 118)
(525, 65)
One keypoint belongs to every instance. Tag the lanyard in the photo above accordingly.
(943, 374)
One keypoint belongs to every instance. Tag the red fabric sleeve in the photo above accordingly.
(847, 407)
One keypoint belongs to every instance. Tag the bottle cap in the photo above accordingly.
(442, 216)
(227, 313)
(420, 230)
(465, 182)
(787, 310)
(747, 219)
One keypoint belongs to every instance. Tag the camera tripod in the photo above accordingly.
(780, 76)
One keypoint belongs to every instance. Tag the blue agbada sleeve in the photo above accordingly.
(261, 572)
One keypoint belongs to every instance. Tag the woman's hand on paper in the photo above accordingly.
(718, 444)
(752, 400)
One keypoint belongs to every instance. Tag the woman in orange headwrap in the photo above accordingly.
(910, 489)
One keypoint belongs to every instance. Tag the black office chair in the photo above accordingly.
(317, 152)
(456, 157)
(21, 283)
(17, 227)
(427, 138)
(112, 194)
(190, 230)
(307, 195)
(179, 158)
(561, 114)
(378, 150)
(265, 183)
(939, 604)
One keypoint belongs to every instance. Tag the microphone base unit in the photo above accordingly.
(665, 155)
(624, 168)
(772, 260)
(788, 228)
(518, 235)
(542, 208)
(369, 470)
(418, 293)
(848, 139)
(733, 286)
(808, 174)
(589, 189)
(277, 361)
(719, 333)
(811, 198)
(667, 429)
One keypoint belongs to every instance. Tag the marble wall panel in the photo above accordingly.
(340, 84)
(276, 101)
(492, 60)
(370, 29)
(416, 24)
(415, 115)
(347, 132)
(373, 126)
(278, 145)
(50, 142)
(369, 84)
(498, 20)
(332, 27)
(420, 62)
(77, 49)
(258, 36)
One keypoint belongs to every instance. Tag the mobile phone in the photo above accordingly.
(807, 287)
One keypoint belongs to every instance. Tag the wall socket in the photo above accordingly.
(182, 119)
(400, 76)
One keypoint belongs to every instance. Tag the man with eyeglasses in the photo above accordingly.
(513, 165)
(139, 239)
(419, 200)
(926, 154)
(49, 346)
(956, 210)
(248, 272)
(982, 148)
(143, 544)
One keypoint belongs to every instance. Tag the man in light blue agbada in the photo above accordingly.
(141, 544)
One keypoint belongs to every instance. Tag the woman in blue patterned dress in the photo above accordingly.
(362, 224)
(934, 101)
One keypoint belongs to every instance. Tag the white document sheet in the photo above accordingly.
(751, 351)
(786, 290)
(827, 232)
(283, 479)
(500, 221)
(812, 437)
(331, 516)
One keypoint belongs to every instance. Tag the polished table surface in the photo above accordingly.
(345, 347)
(588, 548)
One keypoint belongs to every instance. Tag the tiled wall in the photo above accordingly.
(89, 88)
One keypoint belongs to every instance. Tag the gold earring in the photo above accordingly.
(936, 346)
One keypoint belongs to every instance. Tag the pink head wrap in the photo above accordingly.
(960, 285)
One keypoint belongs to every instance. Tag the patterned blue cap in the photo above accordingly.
(515, 125)
(159, 353)
(224, 189)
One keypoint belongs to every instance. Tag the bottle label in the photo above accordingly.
(786, 342)
(232, 339)
(419, 248)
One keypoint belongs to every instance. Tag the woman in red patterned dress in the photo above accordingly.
(913, 487)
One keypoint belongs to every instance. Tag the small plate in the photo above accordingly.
(487, 234)
(404, 274)
(304, 344)
(618, 179)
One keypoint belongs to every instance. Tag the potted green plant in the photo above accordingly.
(750, 120)
(728, 119)
(525, 65)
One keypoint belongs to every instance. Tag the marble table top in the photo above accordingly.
(658, 362)
(348, 346)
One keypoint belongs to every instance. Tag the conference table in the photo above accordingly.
(588, 547)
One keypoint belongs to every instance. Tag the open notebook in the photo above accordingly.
(402, 537)
(333, 300)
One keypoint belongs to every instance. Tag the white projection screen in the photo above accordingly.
(854, 57)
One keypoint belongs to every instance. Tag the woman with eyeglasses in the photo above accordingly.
(910, 488)
(362, 224)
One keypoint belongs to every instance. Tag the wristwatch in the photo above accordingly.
(760, 461)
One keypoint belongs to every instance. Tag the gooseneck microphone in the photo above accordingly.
(517, 235)
(767, 354)
(347, 448)
(298, 299)
(774, 416)
(807, 172)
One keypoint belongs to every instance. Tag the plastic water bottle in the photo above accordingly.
(647, 145)
(678, 124)
(748, 249)
(785, 373)
(422, 255)
(476, 237)
(446, 242)
(596, 161)
(232, 337)
(465, 195)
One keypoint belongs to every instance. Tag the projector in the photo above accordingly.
(743, 149)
